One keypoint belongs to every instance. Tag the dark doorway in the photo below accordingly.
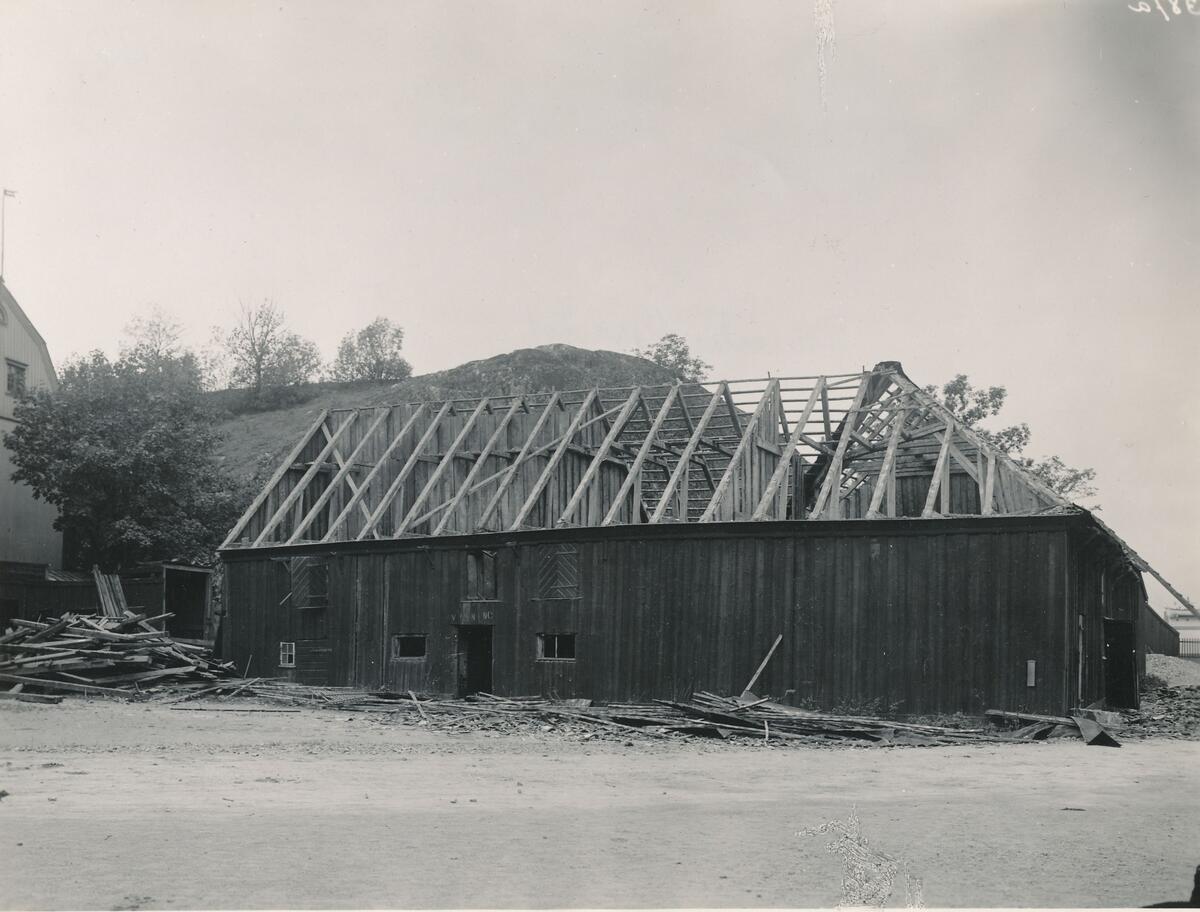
(1120, 665)
(474, 659)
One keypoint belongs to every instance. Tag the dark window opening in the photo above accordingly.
(481, 575)
(310, 582)
(287, 655)
(556, 646)
(558, 572)
(15, 379)
(408, 646)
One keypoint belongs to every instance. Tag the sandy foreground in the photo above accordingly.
(118, 805)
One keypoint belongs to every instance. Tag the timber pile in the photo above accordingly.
(98, 655)
(706, 715)
(1168, 712)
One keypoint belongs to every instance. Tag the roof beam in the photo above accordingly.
(887, 476)
(302, 484)
(269, 487)
(447, 461)
(686, 456)
(422, 409)
(478, 466)
(394, 488)
(544, 478)
(935, 483)
(618, 426)
(831, 488)
(785, 458)
(643, 452)
(343, 473)
(511, 472)
(766, 399)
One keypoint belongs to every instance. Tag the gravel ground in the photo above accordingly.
(119, 805)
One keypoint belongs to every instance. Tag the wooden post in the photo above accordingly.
(771, 652)
(614, 432)
(936, 481)
(479, 463)
(447, 461)
(511, 471)
(831, 489)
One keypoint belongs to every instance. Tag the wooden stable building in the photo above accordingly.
(623, 544)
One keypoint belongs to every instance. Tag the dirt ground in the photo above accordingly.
(117, 805)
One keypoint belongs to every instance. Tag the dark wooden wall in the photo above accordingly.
(915, 616)
(1156, 634)
(35, 598)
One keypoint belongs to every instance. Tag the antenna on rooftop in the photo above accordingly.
(3, 199)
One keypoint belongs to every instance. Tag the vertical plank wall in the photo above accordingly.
(911, 616)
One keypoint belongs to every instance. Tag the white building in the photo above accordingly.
(27, 533)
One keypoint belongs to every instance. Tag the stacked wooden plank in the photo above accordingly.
(96, 654)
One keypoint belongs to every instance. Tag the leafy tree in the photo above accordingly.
(262, 353)
(673, 352)
(153, 346)
(372, 353)
(971, 405)
(125, 450)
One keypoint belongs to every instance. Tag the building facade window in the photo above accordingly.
(558, 572)
(409, 646)
(310, 582)
(481, 575)
(557, 646)
(287, 655)
(14, 383)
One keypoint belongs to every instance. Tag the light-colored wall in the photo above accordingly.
(27, 532)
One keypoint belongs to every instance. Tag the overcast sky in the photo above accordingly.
(1005, 189)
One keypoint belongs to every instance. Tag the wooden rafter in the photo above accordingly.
(277, 477)
(552, 464)
(748, 435)
(688, 451)
(414, 457)
(785, 458)
(511, 472)
(886, 480)
(379, 464)
(831, 488)
(635, 469)
(342, 474)
(442, 468)
(939, 471)
(465, 487)
(593, 469)
(297, 492)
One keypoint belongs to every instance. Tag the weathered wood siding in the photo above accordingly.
(1156, 634)
(917, 616)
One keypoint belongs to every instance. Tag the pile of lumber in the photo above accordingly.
(98, 655)
(705, 715)
(1167, 712)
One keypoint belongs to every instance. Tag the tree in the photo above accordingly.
(125, 451)
(372, 353)
(264, 354)
(673, 352)
(970, 405)
(154, 346)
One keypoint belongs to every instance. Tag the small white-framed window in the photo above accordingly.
(556, 646)
(287, 655)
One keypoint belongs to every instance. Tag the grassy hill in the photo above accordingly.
(254, 439)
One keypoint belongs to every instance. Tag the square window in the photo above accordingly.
(556, 646)
(15, 379)
(408, 646)
(287, 655)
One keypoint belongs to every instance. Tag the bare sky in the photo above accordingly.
(1005, 189)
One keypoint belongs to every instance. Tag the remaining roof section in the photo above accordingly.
(9, 304)
(842, 446)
